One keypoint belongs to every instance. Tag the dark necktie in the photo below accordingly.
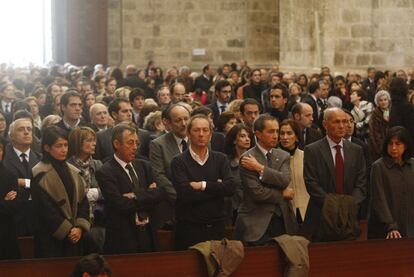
(183, 145)
(339, 170)
(25, 164)
(269, 159)
(222, 108)
(7, 108)
(134, 178)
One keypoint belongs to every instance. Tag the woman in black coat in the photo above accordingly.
(392, 185)
(8, 187)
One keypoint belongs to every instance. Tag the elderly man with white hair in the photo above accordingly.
(20, 159)
(99, 117)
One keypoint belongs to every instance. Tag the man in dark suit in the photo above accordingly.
(278, 98)
(162, 151)
(222, 91)
(20, 159)
(332, 165)
(99, 117)
(7, 96)
(205, 80)
(132, 80)
(130, 194)
(302, 114)
(349, 135)
(71, 106)
(121, 111)
(255, 87)
(202, 179)
(312, 99)
(266, 211)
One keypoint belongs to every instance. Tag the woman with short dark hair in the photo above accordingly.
(392, 182)
(59, 198)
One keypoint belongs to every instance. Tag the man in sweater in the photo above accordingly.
(202, 178)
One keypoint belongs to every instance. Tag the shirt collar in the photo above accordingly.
(179, 140)
(264, 151)
(219, 104)
(18, 152)
(70, 127)
(197, 157)
(121, 162)
(332, 144)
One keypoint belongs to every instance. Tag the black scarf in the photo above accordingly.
(62, 170)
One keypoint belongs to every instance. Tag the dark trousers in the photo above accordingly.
(190, 233)
(275, 228)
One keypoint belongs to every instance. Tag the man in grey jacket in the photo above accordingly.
(266, 211)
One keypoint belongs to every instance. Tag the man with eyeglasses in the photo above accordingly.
(130, 193)
(222, 91)
(120, 110)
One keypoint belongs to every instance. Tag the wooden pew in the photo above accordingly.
(359, 258)
(166, 239)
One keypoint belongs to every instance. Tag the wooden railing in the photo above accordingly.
(359, 258)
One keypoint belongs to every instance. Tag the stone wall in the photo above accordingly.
(167, 31)
(354, 34)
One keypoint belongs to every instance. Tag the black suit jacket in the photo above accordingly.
(308, 99)
(8, 239)
(62, 125)
(216, 113)
(104, 150)
(319, 176)
(311, 134)
(24, 214)
(203, 83)
(121, 231)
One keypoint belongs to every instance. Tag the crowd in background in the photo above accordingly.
(59, 129)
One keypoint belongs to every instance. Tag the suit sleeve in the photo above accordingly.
(147, 198)
(113, 197)
(98, 152)
(227, 186)
(182, 184)
(278, 178)
(255, 188)
(8, 207)
(360, 186)
(157, 162)
(379, 202)
(310, 175)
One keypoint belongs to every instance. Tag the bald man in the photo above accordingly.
(99, 117)
(332, 165)
(302, 113)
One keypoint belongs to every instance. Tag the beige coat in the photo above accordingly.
(297, 183)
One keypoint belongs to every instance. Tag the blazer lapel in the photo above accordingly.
(123, 174)
(347, 164)
(327, 157)
(259, 155)
(172, 144)
(33, 159)
(15, 161)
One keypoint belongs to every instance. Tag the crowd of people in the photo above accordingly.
(97, 160)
